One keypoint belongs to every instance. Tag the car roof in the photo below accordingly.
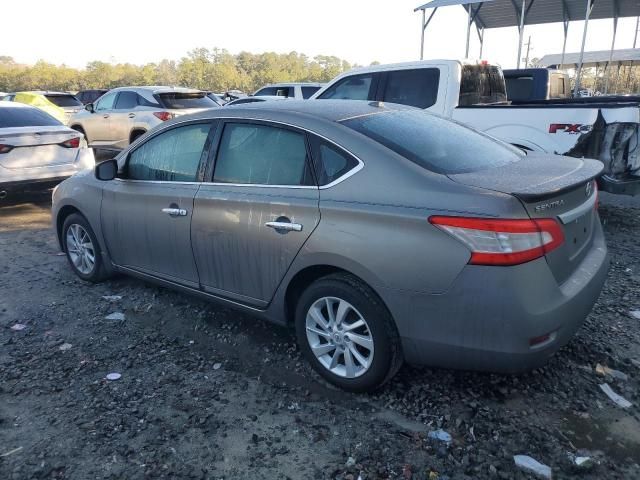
(43, 92)
(157, 89)
(331, 110)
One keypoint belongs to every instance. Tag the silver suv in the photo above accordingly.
(123, 114)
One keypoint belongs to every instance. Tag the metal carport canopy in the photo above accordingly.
(630, 56)
(506, 13)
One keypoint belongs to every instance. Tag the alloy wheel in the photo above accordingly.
(339, 337)
(80, 249)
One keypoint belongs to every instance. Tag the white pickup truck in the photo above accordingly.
(475, 94)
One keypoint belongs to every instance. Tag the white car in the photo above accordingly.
(299, 91)
(36, 150)
(245, 100)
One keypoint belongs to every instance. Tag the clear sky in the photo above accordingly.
(360, 31)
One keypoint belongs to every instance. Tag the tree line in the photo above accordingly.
(207, 69)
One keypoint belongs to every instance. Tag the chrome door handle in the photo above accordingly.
(286, 226)
(132, 115)
(175, 212)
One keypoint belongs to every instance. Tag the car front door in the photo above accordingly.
(252, 220)
(96, 125)
(147, 211)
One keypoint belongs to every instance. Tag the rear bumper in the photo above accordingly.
(488, 318)
(31, 185)
(619, 186)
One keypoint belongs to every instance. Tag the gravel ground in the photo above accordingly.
(207, 392)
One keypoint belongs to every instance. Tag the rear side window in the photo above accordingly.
(435, 143)
(276, 92)
(64, 100)
(418, 88)
(331, 162)
(26, 117)
(172, 156)
(356, 87)
(481, 84)
(127, 101)
(520, 89)
(175, 100)
(262, 155)
(307, 92)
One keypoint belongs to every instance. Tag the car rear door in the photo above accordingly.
(122, 117)
(251, 221)
(147, 211)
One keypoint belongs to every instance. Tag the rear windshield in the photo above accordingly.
(186, 100)
(520, 88)
(481, 84)
(433, 142)
(64, 100)
(26, 117)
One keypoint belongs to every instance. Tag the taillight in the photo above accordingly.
(164, 116)
(71, 143)
(5, 148)
(503, 242)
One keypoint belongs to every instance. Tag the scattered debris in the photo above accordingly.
(617, 399)
(112, 298)
(11, 452)
(440, 435)
(18, 327)
(635, 314)
(113, 376)
(604, 371)
(117, 316)
(635, 362)
(351, 462)
(217, 366)
(60, 254)
(531, 465)
(65, 346)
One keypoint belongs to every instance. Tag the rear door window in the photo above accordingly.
(256, 154)
(127, 101)
(177, 100)
(171, 156)
(270, 91)
(416, 87)
(307, 92)
(356, 87)
(26, 117)
(330, 162)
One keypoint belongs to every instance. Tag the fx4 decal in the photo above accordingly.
(569, 128)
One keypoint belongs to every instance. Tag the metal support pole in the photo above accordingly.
(422, 28)
(564, 44)
(466, 54)
(526, 60)
(584, 41)
(481, 41)
(521, 31)
(635, 37)
(615, 85)
(613, 44)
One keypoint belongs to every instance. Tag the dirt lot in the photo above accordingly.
(206, 392)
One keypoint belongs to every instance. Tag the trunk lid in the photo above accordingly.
(550, 186)
(37, 147)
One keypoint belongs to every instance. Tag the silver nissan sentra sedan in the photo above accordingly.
(381, 232)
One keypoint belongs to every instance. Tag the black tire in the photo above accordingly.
(98, 273)
(135, 135)
(387, 356)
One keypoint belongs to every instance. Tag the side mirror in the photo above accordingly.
(89, 107)
(107, 170)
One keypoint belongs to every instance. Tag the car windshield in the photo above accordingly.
(26, 117)
(64, 100)
(186, 100)
(433, 142)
